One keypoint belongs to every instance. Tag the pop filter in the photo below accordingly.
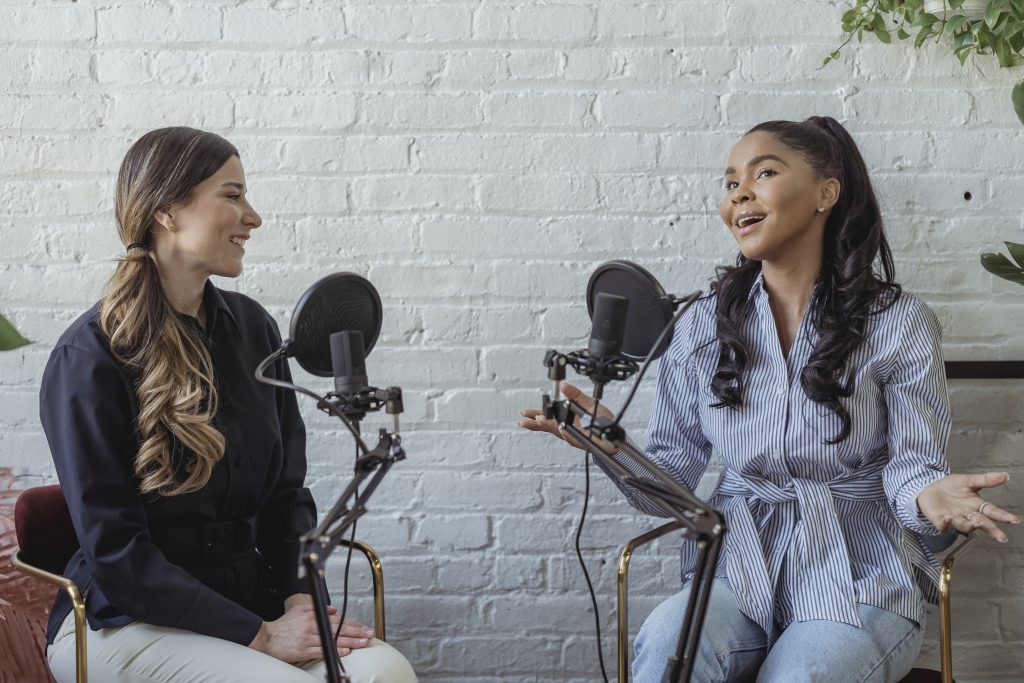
(338, 302)
(650, 309)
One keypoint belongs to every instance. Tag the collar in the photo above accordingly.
(757, 285)
(215, 306)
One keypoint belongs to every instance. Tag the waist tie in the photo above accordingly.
(814, 535)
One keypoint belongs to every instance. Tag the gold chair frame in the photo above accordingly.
(78, 603)
(622, 613)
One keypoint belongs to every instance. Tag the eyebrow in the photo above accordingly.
(756, 160)
(231, 183)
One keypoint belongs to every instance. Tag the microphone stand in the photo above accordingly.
(317, 544)
(701, 522)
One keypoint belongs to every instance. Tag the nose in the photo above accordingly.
(741, 194)
(251, 218)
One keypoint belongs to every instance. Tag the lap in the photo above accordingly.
(733, 647)
(142, 653)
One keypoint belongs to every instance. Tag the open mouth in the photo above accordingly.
(749, 223)
(237, 241)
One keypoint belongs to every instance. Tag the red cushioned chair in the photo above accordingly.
(46, 542)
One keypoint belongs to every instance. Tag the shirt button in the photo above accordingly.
(781, 390)
(777, 454)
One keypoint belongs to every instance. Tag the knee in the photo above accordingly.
(380, 663)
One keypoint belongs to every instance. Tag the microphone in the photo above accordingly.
(608, 325)
(348, 360)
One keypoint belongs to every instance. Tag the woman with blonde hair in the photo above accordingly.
(183, 475)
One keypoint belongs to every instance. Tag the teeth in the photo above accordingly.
(236, 240)
(747, 220)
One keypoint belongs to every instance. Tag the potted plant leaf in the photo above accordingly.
(999, 265)
(10, 338)
(975, 27)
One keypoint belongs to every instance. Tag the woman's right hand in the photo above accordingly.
(294, 636)
(534, 420)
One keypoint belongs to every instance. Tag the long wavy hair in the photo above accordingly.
(176, 388)
(856, 278)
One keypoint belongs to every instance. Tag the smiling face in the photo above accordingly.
(772, 200)
(207, 234)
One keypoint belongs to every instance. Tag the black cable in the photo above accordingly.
(320, 402)
(687, 302)
(579, 554)
(348, 564)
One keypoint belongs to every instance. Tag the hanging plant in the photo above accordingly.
(999, 265)
(976, 27)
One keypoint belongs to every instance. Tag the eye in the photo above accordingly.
(234, 197)
(769, 171)
(731, 185)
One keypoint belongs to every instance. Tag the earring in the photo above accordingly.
(820, 209)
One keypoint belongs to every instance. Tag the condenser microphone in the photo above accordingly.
(608, 325)
(348, 360)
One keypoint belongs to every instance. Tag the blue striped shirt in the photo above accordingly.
(814, 529)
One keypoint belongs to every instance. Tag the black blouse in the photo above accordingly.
(218, 561)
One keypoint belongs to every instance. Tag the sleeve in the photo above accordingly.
(918, 407)
(86, 413)
(675, 439)
(289, 511)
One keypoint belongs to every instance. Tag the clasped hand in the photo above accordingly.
(294, 636)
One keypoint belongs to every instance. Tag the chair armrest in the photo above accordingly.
(622, 612)
(379, 627)
(77, 605)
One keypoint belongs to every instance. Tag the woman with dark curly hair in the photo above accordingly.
(184, 475)
(821, 385)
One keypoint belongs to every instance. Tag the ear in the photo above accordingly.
(164, 218)
(828, 193)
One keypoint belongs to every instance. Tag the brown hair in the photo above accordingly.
(176, 388)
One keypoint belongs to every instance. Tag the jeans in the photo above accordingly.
(734, 648)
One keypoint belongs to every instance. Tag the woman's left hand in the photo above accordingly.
(954, 500)
(353, 636)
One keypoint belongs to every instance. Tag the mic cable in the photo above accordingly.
(579, 553)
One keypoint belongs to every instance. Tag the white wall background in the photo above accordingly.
(476, 160)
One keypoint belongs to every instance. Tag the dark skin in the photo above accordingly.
(776, 205)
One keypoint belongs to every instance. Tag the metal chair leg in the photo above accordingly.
(945, 624)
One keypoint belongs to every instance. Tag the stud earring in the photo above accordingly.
(820, 209)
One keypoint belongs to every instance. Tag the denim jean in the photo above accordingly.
(734, 648)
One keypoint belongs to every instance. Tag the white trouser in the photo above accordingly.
(140, 653)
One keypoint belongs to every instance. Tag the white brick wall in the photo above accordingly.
(476, 160)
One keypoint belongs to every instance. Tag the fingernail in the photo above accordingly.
(1002, 540)
(363, 641)
(345, 651)
(369, 633)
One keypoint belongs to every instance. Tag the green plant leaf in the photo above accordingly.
(954, 4)
(926, 20)
(1017, 97)
(1018, 7)
(953, 25)
(992, 12)
(922, 36)
(10, 338)
(1000, 266)
(1016, 252)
